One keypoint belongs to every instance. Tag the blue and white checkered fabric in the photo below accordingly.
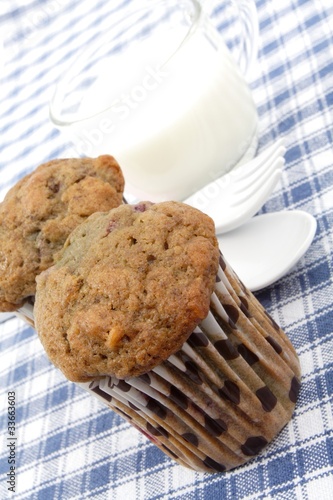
(68, 445)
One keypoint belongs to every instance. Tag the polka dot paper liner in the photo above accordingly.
(224, 395)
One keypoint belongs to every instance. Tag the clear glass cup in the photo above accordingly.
(165, 92)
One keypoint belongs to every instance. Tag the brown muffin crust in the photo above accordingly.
(130, 287)
(40, 211)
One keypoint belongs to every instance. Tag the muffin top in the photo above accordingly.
(129, 288)
(40, 211)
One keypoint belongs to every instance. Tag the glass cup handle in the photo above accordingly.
(249, 46)
(246, 50)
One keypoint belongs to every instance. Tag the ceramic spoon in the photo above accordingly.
(268, 246)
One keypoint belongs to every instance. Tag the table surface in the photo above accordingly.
(68, 445)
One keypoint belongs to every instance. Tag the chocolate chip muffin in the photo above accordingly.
(41, 210)
(130, 287)
(143, 310)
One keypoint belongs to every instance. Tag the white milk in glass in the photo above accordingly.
(172, 127)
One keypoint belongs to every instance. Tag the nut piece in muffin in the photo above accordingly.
(128, 289)
(41, 210)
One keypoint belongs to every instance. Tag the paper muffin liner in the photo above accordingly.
(26, 312)
(223, 396)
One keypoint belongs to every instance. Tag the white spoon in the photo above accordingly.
(268, 246)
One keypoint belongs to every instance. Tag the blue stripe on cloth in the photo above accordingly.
(69, 445)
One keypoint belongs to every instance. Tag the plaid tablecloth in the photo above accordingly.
(68, 446)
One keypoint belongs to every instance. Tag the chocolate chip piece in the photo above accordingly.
(53, 185)
(151, 258)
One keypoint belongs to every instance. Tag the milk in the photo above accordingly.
(173, 126)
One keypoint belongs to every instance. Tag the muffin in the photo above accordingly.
(41, 210)
(142, 311)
